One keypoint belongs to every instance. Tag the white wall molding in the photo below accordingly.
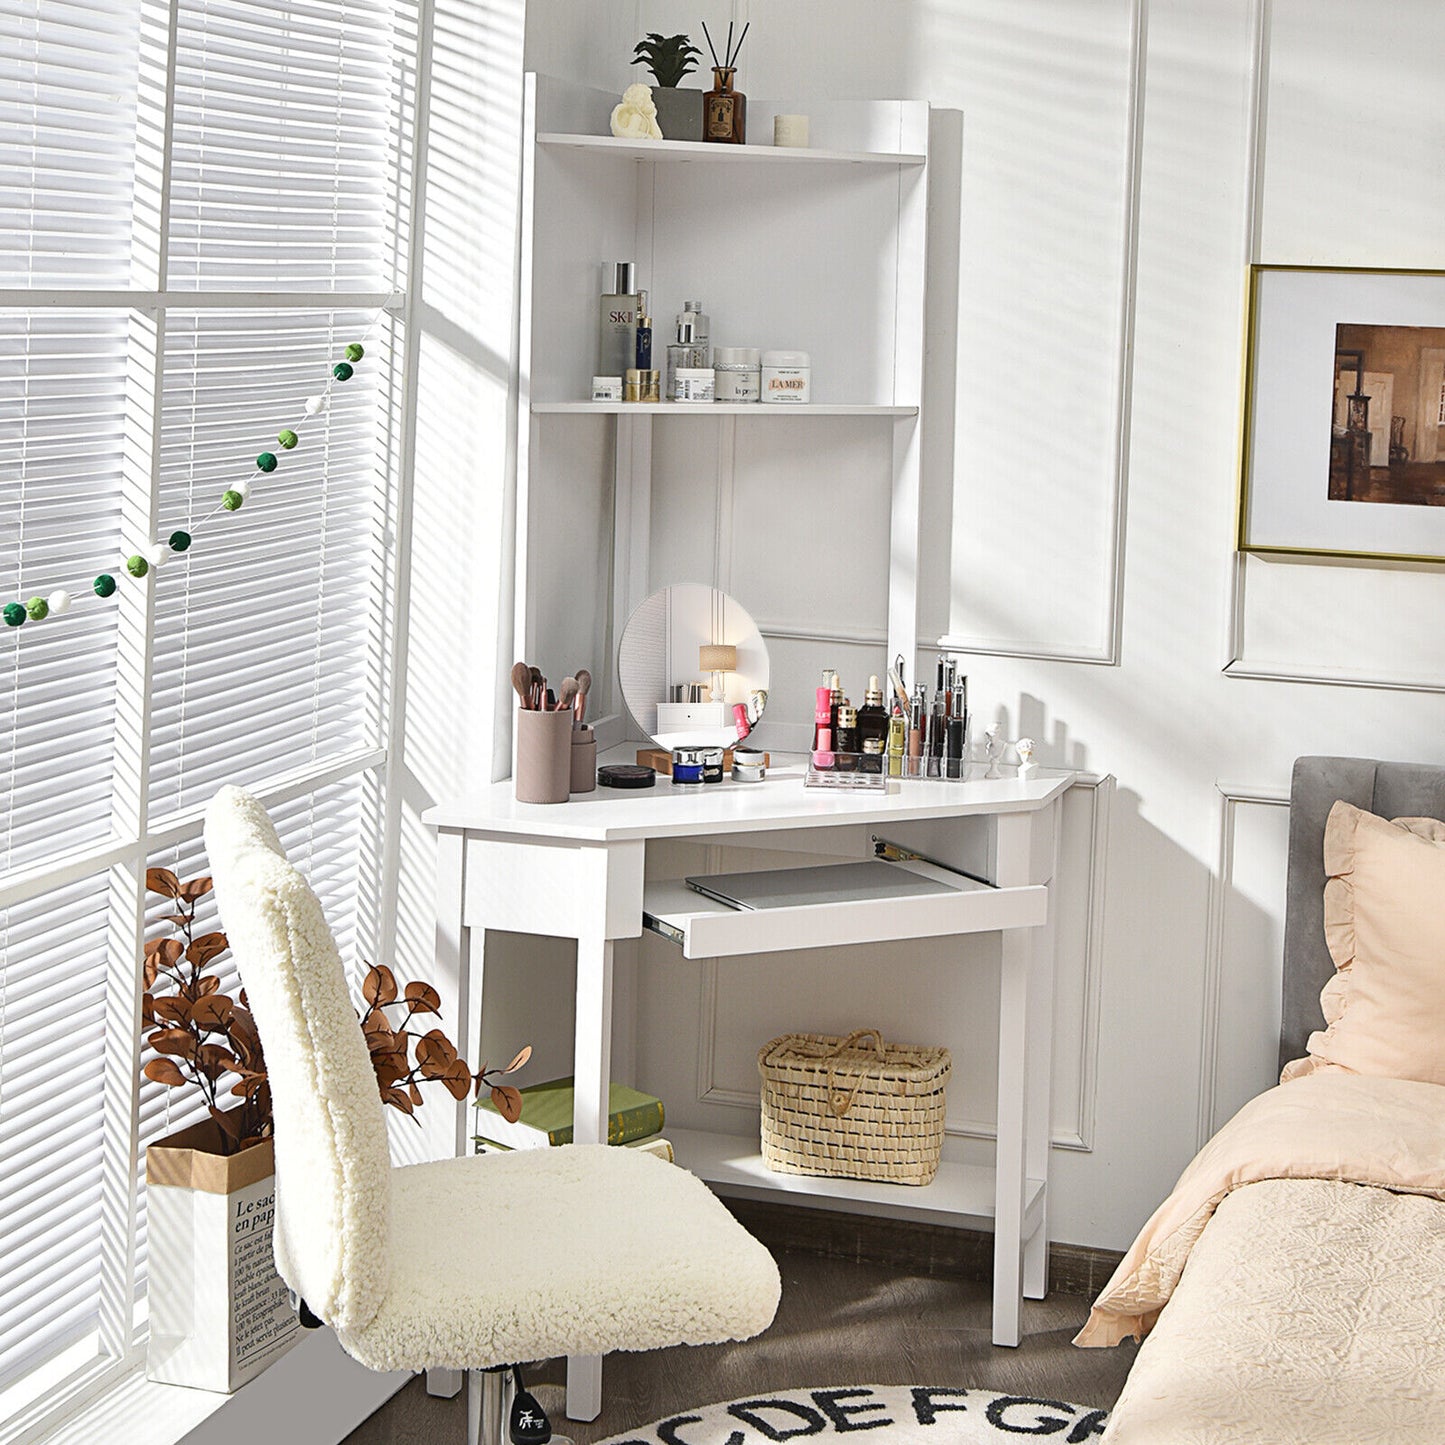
(1078, 1133)
(1106, 652)
(1230, 800)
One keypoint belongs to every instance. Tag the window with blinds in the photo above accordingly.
(262, 143)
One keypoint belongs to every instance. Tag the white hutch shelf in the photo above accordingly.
(815, 249)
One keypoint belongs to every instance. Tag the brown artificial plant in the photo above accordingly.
(392, 1048)
(201, 1035)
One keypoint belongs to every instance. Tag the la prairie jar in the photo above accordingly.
(787, 376)
(738, 377)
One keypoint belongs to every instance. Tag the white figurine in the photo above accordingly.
(1027, 766)
(634, 117)
(995, 746)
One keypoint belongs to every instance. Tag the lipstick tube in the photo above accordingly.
(957, 730)
(937, 736)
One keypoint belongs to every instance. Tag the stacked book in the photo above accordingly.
(634, 1120)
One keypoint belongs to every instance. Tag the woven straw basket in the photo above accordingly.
(856, 1108)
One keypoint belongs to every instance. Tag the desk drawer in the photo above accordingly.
(708, 929)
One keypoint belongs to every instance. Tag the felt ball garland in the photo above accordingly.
(153, 555)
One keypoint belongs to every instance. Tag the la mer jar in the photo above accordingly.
(787, 376)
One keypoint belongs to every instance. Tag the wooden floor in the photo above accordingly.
(841, 1322)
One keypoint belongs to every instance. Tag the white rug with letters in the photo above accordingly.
(889, 1414)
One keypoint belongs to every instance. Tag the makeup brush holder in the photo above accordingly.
(584, 760)
(544, 756)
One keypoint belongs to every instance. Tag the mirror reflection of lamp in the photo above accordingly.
(717, 658)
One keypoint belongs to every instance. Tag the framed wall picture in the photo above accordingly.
(1344, 413)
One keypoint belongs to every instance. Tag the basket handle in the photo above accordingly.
(840, 1101)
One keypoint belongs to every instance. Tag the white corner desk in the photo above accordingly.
(576, 870)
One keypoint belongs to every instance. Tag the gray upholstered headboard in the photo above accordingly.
(1392, 790)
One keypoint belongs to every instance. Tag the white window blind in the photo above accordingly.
(52, 1005)
(286, 135)
(67, 140)
(262, 638)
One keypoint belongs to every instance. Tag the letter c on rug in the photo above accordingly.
(667, 1429)
(747, 1412)
(926, 1408)
(830, 1403)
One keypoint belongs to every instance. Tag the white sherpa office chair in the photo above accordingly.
(472, 1263)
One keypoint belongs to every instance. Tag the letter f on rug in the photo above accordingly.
(906, 1414)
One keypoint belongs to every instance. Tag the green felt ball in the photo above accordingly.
(104, 585)
(180, 541)
(288, 439)
(266, 462)
(355, 351)
(137, 566)
(38, 609)
(341, 371)
(15, 615)
(232, 501)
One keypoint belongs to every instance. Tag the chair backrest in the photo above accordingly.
(1391, 790)
(333, 1166)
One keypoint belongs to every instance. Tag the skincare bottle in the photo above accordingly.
(845, 738)
(835, 702)
(643, 349)
(617, 319)
(823, 719)
(871, 759)
(897, 726)
(688, 351)
(701, 325)
(872, 716)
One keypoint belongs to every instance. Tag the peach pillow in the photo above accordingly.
(1385, 928)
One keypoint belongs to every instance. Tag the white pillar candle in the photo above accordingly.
(790, 130)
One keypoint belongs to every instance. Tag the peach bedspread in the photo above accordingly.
(1331, 1125)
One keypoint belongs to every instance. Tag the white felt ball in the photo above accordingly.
(244, 488)
(315, 404)
(59, 601)
(157, 553)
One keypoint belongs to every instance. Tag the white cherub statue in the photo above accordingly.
(995, 746)
(634, 117)
(1027, 766)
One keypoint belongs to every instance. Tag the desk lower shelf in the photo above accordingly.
(962, 1193)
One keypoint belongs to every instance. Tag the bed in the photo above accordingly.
(1292, 1287)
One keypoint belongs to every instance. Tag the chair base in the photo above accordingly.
(489, 1407)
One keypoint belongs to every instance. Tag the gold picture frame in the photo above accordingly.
(1342, 437)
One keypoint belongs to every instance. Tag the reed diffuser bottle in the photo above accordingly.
(724, 108)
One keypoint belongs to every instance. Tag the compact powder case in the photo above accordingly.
(625, 775)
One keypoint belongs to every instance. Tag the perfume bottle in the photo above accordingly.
(643, 348)
(617, 319)
(872, 716)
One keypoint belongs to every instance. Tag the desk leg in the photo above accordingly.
(592, 1068)
(1044, 942)
(1010, 1181)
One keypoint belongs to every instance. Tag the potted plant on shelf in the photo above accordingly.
(670, 59)
(219, 1312)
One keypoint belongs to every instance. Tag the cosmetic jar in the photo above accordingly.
(626, 776)
(584, 760)
(872, 759)
(606, 388)
(687, 765)
(787, 376)
(790, 130)
(712, 764)
(738, 373)
(748, 765)
(692, 383)
(641, 385)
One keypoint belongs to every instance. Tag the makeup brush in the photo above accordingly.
(568, 694)
(584, 686)
(522, 682)
(537, 684)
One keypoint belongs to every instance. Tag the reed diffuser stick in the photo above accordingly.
(733, 54)
(710, 45)
(728, 49)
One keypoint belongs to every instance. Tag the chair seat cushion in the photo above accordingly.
(572, 1251)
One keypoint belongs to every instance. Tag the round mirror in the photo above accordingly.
(690, 658)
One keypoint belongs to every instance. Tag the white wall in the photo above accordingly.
(1080, 529)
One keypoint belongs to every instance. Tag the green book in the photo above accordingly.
(547, 1116)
